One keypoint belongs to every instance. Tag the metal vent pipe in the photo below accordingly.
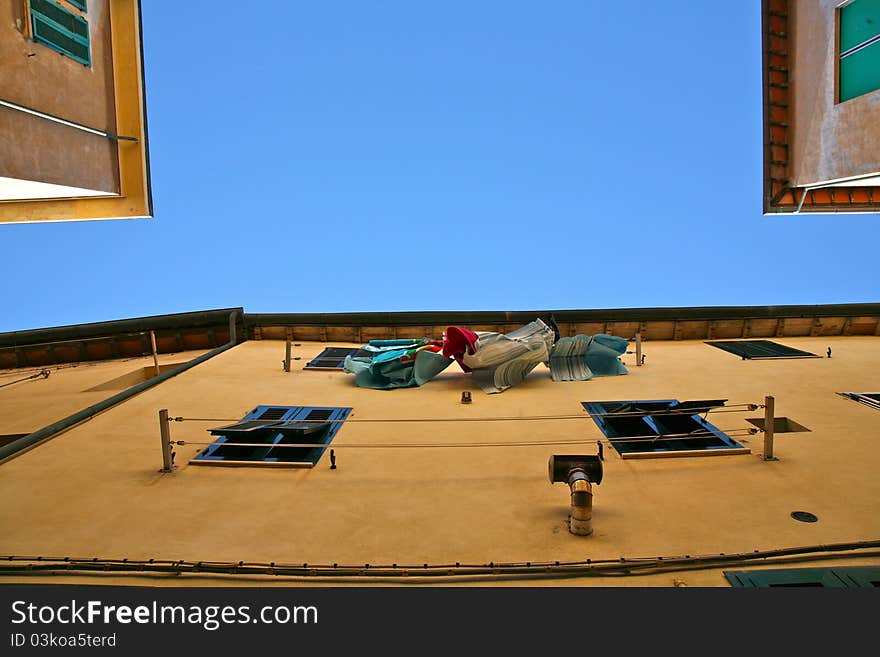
(580, 473)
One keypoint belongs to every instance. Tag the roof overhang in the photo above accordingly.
(209, 329)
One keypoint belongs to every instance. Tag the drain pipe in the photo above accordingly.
(579, 472)
(25, 443)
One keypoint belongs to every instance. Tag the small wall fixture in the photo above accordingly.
(804, 516)
(579, 472)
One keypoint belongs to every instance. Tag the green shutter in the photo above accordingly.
(859, 48)
(859, 22)
(79, 4)
(840, 577)
(62, 30)
(793, 577)
(860, 576)
(860, 72)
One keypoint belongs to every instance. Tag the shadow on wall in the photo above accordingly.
(133, 378)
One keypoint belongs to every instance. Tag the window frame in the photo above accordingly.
(598, 411)
(36, 17)
(271, 434)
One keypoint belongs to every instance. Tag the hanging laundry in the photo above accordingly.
(582, 357)
(397, 363)
(459, 341)
(502, 360)
(497, 361)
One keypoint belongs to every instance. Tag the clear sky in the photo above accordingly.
(412, 155)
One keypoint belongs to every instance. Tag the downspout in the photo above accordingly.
(31, 440)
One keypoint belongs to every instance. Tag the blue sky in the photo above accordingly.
(385, 156)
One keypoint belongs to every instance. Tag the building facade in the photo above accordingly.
(821, 105)
(72, 119)
(425, 487)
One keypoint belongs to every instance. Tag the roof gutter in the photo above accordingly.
(25, 443)
(491, 317)
(94, 330)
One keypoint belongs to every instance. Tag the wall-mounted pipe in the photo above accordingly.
(58, 119)
(27, 442)
(579, 472)
(580, 520)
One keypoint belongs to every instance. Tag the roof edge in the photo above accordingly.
(586, 315)
(196, 319)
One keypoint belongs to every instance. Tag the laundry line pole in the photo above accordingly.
(165, 434)
(155, 351)
(769, 420)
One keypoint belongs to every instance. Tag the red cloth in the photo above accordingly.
(458, 342)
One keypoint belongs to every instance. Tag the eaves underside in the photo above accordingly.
(209, 329)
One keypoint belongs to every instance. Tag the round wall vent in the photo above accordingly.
(804, 516)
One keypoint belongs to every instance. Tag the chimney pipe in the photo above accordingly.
(580, 473)
(580, 520)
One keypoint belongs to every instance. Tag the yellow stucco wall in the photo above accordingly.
(31, 405)
(96, 490)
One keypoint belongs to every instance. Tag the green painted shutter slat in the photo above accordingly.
(859, 21)
(841, 576)
(860, 576)
(62, 17)
(793, 577)
(80, 4)
(61, 30)
(860, 72)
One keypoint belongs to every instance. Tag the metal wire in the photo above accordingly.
(579, 416)
(42, 374)
(73, 364)
(530, 443)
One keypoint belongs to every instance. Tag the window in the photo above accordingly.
(871, 399)
(842, 577)
(665, 427)
(61, 29)
(79, 4)
(333, 358)
(760, 349)
(280, 436)
(859, 48)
